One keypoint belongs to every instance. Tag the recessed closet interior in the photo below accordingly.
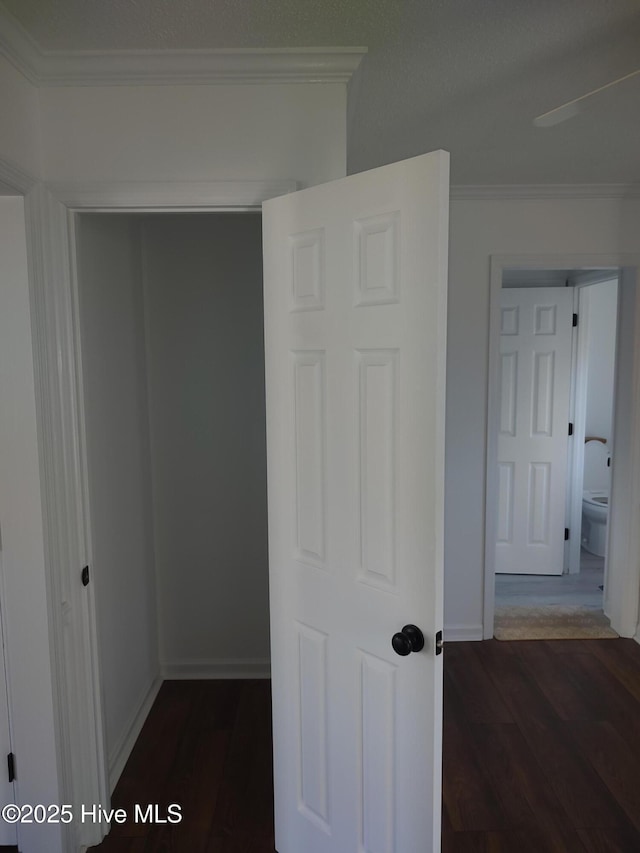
(172, 373)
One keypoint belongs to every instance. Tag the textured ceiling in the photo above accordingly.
(470, 77)
(180, 24)
(462, 75)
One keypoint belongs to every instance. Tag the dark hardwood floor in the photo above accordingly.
(542, 747)
(541, 754)
(206, 746)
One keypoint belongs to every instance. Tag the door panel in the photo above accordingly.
(355, 323)
(535, 376)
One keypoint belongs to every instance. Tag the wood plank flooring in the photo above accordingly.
(541, 753)
(542, 747)
(206, 745)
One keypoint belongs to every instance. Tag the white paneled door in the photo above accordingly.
(355, 322)
(535, 379)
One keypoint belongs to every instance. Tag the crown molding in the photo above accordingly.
(17, 46)
(14, 180)
(541, 191)
(173, 67)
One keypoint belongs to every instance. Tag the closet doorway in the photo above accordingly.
(171, 329)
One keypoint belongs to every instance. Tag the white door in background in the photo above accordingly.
(535, 380)
(8, 834)
(355, 275)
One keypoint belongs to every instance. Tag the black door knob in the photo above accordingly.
(410, 639)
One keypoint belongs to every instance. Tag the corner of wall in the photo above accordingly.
(121, 750)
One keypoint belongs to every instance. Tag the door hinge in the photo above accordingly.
(570, 429)
(85, 576)
(439, 643)
(11, 766)
(575, 320)
(566, 534)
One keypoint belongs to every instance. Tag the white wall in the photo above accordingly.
(601, 354)
(203, 291)
(23, 589)
(19, 121)
(117, 429)
(479, 229)
(223, 132)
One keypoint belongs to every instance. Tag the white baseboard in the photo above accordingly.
(217, 668)
(122, 750)
(462, 633)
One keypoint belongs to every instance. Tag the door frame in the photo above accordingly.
(621, 596)
(579, 404)
(51, 213)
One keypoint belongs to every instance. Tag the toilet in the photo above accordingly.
(595, 497)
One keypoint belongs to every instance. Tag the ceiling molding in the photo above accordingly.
(18, 46)
(173, 67)
(14, 180)
(541, 191)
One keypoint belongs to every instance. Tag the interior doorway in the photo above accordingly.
(557, 366)
(547, 504)
(172, 362)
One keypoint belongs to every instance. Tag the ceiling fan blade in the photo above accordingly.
(572, 108)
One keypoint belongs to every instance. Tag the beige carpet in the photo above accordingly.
(551, 622)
